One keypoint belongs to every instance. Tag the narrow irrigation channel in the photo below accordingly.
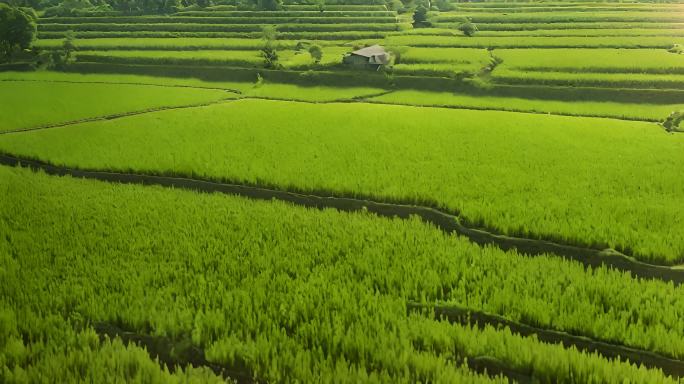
(465, 316)
(449, 223)
(172, 354)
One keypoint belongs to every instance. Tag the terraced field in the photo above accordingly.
(212, 194)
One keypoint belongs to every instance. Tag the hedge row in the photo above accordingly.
(218, 20)
(218, 28)
(286, 14)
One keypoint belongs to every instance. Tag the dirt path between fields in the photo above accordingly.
(447, 222)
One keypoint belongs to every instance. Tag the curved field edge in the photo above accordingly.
(462, 315)
(129, 203)
(28, 105)
(447, 222)
(597, 183)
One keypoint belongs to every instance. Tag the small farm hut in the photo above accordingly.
(373, 56)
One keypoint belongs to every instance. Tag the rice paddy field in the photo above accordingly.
(198, 195)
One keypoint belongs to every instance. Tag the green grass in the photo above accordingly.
(580, 180)
(642, 111)
(287, 294)
(592, 60)
(30, 104)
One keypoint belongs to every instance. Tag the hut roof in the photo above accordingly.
(373, 50)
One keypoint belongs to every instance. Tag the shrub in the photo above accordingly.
(468, 28)
(444, 5)
(17, 29)
(420, 16)
(316, 53)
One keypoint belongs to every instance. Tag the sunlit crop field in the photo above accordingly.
(342, 191)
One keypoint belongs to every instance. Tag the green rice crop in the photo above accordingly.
(619, 80)
(437, 69)
(584, 32)
(599, 182)
(310, 19)
(266, 90)
(568, 26)
(344, 35)
(193, 27)
(287, 58)
(114, 79)
(199, 57)
(592, 60)
(310, 93)
(173, 44)
(668, 16)
(287, 294)
(534, 41)
(641, 111)
(287, 13)
(30, 104)
(445, 55)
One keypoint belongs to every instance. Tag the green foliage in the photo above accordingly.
(316, 53)
(268, 52)
(607, 155)
(17, 30)
(270, 5)
(674, 122)
(420, 16)
(444, 5)
(28, 104)
(287, 294)
(468, 29)
(491, 100)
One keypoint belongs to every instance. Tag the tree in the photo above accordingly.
(673, 122)
(397, 52)
(468, 28)
(268, 52)
(420, 16)
(395, 5)
(320, 4)
(270, 5)
(68, 46)
(17, 29)
(444, 5)
(316, 53)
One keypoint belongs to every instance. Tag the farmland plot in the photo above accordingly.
(621, 177)
(239, 295)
